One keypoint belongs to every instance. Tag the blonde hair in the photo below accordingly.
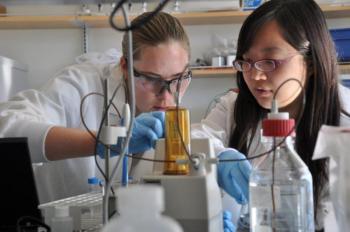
(162, 28)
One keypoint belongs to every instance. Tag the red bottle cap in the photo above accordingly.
(278, 127)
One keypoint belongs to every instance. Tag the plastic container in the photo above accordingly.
(94, 185)
(95, 188)
(250, 4)
(140, 208)
(61, 222)
(341, 38)
(218, 61)
(13, 78)
(280, 187)
(229, 59)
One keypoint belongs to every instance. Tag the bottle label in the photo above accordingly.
(292, 209)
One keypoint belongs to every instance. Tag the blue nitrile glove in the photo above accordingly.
(147, 128)
(228, 224)
(233, 176)
(115, 149)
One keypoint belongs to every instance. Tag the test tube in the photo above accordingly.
(177, 120)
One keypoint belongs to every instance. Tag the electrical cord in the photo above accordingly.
(136, 25)
(177, 98)
(129, 132)
(97, 136)
(182, 140)
(345, 113)
(274, 139)
(290, 132)
(128, 28)
(274, 145)
(232, 160)
(131, 86)
(105, 113)
(90, 131)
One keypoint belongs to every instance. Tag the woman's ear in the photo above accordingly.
(123, 63)
(124, 66)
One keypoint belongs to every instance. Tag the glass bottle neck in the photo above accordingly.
(269, 142)
(280, 148)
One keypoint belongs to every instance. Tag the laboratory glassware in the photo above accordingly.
(177, 120)
(280, 187)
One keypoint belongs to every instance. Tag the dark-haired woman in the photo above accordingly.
(278, 41)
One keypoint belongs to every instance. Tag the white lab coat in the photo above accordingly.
(33, 112)
(218, 125)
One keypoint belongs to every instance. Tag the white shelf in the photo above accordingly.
(101, 21)
(230, 72)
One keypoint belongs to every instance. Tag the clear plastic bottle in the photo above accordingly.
(95, 187)
(140, 208)
(61, 222)
(280, 186)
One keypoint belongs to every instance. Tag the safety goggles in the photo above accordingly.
(157, 85)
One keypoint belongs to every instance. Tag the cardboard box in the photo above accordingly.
(346, 82)
(2, 9)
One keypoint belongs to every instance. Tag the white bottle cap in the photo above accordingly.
(62, 211)
(278, 116)
(140, 196)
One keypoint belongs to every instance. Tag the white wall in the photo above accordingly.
(46, 51)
